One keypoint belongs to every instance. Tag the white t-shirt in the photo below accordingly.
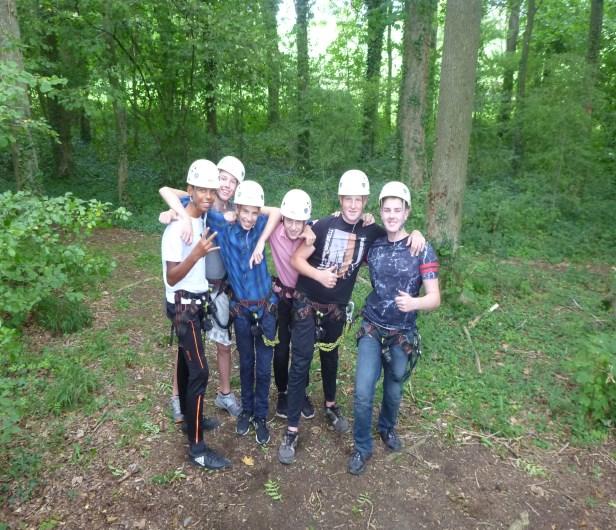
(175, 250)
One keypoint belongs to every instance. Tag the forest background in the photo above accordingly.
(499, 114)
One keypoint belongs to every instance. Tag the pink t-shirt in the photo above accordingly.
(282, 250)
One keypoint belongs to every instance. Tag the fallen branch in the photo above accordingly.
(137, 283)
(477, 360)
(475, 320)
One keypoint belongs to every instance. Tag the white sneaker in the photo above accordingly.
(228, 403)
(176, 410)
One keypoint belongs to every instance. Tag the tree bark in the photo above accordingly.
(376, 29)
(513, 29)
(389, 46)
(518, 132)
(412, 108)
(302, 10)
(453, 129)
(270, 11)
(24, 153)
(118, 98)
(594, 46)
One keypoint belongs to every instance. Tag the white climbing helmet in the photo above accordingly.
(249, 193)
(396, 189)
(296, 205)
(354, 182)
(203, 174)
(233, 166)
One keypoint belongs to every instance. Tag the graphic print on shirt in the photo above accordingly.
(342, 250)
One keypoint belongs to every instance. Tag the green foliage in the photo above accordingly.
(43, 256)
(594, 368)
(272, 490)
(60, 315)
(72, 385)
(168, 477)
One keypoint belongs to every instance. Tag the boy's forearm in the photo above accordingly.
(273, 220)
(171, 198)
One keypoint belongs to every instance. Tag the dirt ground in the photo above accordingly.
(437, 481)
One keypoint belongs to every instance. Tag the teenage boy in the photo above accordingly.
(296, 208)
(327, 273)
(185, 289)
(231, 173)
(253, 305)
(388, 337)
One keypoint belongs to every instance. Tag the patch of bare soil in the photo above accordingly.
(435, 482)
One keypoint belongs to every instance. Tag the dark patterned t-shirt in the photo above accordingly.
(393, 269)
(343, 246)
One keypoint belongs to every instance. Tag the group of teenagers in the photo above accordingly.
(216, 278)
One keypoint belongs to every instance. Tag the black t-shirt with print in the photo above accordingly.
(341, 245)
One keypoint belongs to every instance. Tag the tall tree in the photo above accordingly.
(594, 46)
(412, 108)
(118, 99)
(513, 29)
(389, 47)
(270, 11)
(518, 132)
(376, 28)
(302, 11)
(24, 153)
(453, 127)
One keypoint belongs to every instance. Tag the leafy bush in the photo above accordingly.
(594, 369)
(43, 255)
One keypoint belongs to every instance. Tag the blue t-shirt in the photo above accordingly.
(392, 268)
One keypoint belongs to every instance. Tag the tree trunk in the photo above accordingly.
(594, 46)
(412, 108)
(270, 11)
(389, 47)
(302, 10)
(376, 29)
(513, 28)
(24, 154)
(453, 129)
(518, 132)
(118, 98)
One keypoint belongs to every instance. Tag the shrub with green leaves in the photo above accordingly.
(43, 254)
(594, 369)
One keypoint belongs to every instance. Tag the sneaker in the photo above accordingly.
(286, 451)
(228, 403)
(307, 409)
(262, 434)
(281, 405)
(208, 424)
(357, 463)
(243, 423)
(336, 419)
(391, 440)
(176, 410)
(208, 459)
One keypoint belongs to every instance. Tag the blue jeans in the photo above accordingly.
(368, 371)
(255, 365)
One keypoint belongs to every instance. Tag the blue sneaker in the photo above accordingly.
(243, 423)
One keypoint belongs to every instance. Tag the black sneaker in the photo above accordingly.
(286, 451)
(243, 423)
(357, 463)
(208, 424)
(262, 434)
(391, 440)
(208, 459)
(336, 419)
(281, 405)
(307, 409)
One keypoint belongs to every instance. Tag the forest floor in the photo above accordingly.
(124, 465)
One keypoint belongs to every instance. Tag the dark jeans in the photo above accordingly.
(282, 349)
(255, 364)
(192, 370)
(302, 350)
